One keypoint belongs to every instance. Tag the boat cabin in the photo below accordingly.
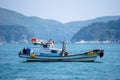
(47, 50)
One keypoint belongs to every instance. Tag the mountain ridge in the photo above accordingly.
(99, 31)
(45, 28)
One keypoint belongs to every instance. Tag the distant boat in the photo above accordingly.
(50, 54)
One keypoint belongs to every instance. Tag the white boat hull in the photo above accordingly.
(87, 59)
(70, 58)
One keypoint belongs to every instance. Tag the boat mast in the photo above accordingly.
(64, 46)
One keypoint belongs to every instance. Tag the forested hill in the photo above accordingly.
(99, 31)
(14, 33)
(45, 28)
(42, 28)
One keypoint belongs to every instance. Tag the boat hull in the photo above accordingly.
(85, 57)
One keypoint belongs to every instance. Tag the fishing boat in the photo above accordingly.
(50, 54)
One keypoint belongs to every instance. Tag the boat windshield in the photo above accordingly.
(46, 46)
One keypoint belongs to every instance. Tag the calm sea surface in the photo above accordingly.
(14, 68)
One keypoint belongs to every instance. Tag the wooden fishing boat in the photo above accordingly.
(50, 54)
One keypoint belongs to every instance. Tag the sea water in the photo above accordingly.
(14, 68)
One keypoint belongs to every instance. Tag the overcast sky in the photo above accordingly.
(64, 10)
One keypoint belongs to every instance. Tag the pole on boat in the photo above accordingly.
(63, 52)
(64, 46)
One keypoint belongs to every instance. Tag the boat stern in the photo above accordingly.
(99, 52)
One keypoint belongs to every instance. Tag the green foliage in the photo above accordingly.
(14, 33)
(44, 28)
(99, 31)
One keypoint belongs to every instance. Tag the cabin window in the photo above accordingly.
(53, 51)
(46, 46)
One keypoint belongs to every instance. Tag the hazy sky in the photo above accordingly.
(64, 10)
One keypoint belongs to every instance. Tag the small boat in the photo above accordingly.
(50, 54)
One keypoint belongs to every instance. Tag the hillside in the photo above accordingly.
(99, 31)
(14, 33)
(76, 25)
(46, 28)
(42, 28)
